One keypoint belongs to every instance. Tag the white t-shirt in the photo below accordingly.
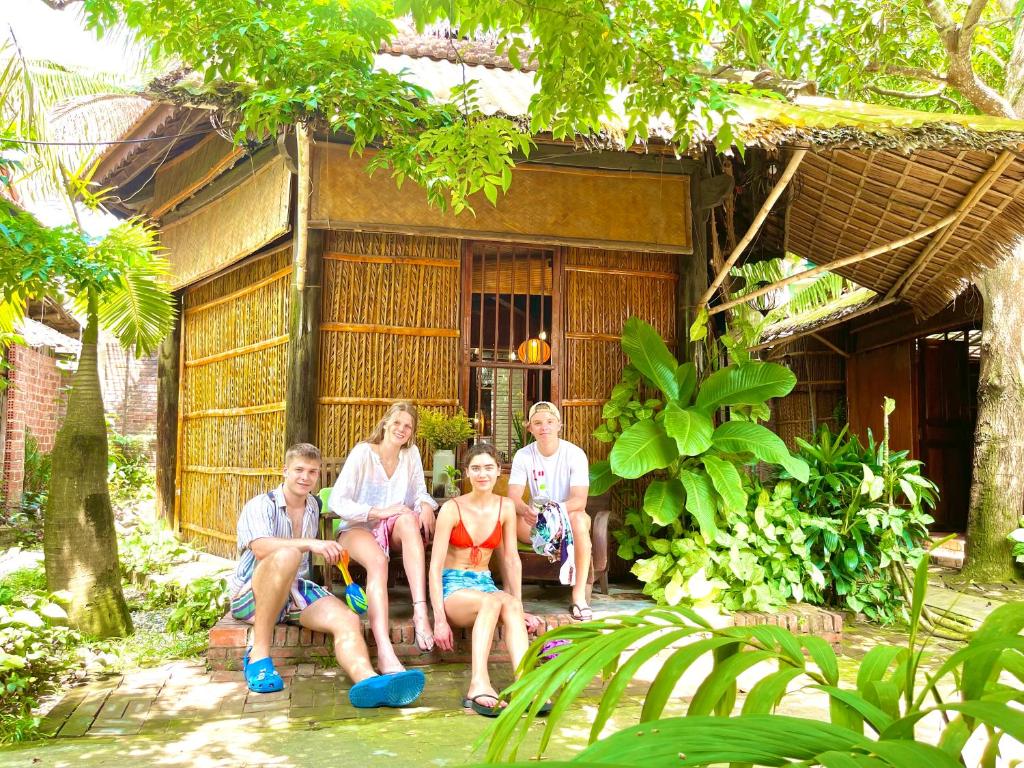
(566, 468)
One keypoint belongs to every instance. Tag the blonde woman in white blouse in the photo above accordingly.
(383, 504)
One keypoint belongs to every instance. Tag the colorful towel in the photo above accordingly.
(551, 536)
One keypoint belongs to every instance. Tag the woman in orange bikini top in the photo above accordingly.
(462, 591)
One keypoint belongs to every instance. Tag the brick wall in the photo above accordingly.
(34, 401)
(129, 387)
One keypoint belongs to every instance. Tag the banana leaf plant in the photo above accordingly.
(876, 723)
(674, 436)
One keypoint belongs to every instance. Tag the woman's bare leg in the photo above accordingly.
(406, 538)
(365, 550)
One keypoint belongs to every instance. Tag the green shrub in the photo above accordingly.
(201, 605)
(27, 518)
(128, 472)
(444, 432)
(150, 547)
(21, 582)
(36, 650)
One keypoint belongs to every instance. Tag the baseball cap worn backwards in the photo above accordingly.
(543, 405)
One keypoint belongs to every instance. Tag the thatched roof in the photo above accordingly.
(872, 175)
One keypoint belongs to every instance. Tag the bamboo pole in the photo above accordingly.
(396, 330)
(238, 351)
(669, 276)
(241, 471)
(837, 264)
(971, 199)
(248, 410)
(830, 345)
(427, 401)
(365, 259)
(755, 225)
(251, 288)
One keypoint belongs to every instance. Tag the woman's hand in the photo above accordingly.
(427, 520)
(383, 513)
(533, 623)
(443, 637)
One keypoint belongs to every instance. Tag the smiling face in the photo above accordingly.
(301, 474)
(400, 428)
(544, 426)
(483, 471)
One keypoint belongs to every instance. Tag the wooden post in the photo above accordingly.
(168, 374)
(693, 271)
(303, 310)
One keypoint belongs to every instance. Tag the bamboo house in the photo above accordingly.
(312, 294)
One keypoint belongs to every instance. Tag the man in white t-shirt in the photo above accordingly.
(555, 470)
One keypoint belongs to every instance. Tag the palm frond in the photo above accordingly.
(137, 307)
(884, 698)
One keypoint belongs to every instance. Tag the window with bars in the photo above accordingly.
(511, 337)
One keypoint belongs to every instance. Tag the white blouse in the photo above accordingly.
(364, 484)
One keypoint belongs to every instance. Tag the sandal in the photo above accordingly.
(473, 702)
(581, 612)
(260, 676)
(399, 689)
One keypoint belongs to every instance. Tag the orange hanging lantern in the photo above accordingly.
(534, 352)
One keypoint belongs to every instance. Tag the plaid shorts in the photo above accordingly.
(302, 595)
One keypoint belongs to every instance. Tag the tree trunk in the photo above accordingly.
(79, 545)
(997, 490)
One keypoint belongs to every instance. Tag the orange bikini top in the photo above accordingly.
(460, 537)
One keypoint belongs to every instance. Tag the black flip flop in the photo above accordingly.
(483, 709)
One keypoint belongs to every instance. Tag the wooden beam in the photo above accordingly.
(303, 309)
(788, 339)
(837, 264)
(693, 274)
(971, 199)
(830, 345)
(168, 374)
(755, 225)
(394, 330)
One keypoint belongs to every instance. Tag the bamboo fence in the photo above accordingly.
(233, 378)
(819, 396)
(389, 331)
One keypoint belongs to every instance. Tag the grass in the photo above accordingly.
(151, 648)
(21, 582)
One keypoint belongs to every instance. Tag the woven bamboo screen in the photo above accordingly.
(231, 408)
(819, 396)
(602, 290)
(389, 331)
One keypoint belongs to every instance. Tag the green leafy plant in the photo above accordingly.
(671, 439)
(451, 486)
(875, 722)
(1016, 537)
(200, 606)
(36, 650)
(444, 432)
(867, 517)
(128, 472)
(150, 547)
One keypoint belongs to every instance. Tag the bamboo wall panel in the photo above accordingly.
(544, 204)
(181, 177)
(819, 397)
(389, 331)
(234, 376)
(240, 222)
(602, 290)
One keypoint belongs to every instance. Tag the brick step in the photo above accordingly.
(293, 646)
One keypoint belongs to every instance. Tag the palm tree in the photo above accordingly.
(117, 281)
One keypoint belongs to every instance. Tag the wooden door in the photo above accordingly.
(946, 427)
(873, 376)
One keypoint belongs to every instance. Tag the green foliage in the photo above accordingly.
(867, 511)
(444, 432)
(21, 582)
(128, 473)
(27, 517)
(36, 649)
(1016, 537)
(150, 547)
(695, 467)
(976, 691)
(201, 605)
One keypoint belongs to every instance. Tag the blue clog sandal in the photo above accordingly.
(399, 689)
(260, 676)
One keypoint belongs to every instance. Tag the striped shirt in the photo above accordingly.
(266, 516)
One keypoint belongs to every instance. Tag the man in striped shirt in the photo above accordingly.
(276, 535)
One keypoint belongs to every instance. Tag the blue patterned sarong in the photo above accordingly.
(452, 580)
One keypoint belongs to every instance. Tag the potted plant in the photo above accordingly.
(444, 434)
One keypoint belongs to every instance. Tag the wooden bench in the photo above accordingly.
(536, 568)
